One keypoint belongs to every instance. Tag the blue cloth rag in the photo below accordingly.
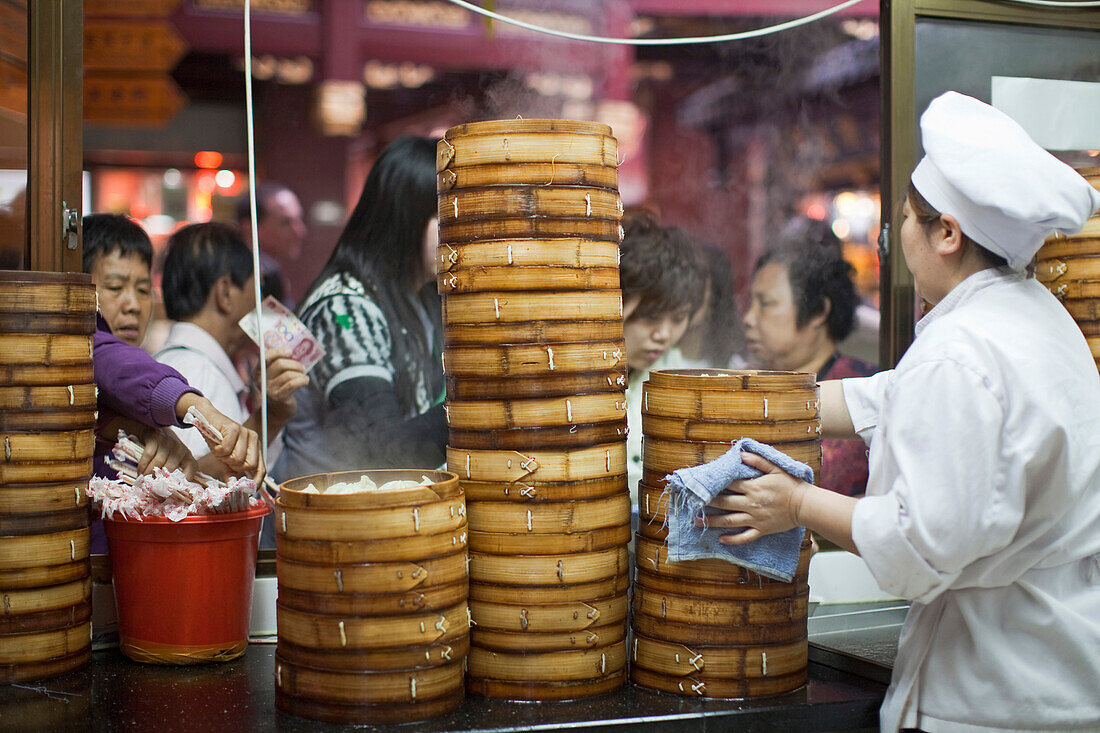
(774, 556)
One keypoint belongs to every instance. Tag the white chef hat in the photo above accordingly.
(1007, 192)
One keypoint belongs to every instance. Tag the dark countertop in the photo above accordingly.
(113, 693)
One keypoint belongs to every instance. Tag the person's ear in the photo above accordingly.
(819, 319)
(951, 235)
(223, 294)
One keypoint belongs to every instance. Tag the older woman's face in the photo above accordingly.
(771, 333)
(125, 292)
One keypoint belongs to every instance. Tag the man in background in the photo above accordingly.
(281, 233)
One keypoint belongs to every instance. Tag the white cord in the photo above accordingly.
(251, 133)
(658, 41)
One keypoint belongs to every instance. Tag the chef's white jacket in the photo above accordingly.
(983, 509)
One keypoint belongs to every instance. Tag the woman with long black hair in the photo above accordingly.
(376, 398)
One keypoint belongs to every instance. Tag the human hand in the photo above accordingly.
(237, 447)
(285, 376)
(164, 450)
(764, 505)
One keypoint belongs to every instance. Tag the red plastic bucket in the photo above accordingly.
(184, 589)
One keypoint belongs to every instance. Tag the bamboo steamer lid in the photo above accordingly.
(535, 174)
(44, 575)
(45, 645)
(418, 600)
(666, 456)
(489, 279)
(718, 590)
(551, 518)
(531, 690)
(519, 306)
(549, 384)
(39, 375)
(534, 227)
(69, 397)
(518, 360)
(561, 593)
(732, 405)
(325, 631)
(718, 688)
(721, 431)
(35, 498)
(741, 662)
(534, 618)
(360, 687)
(47, 620)
(564, 666)
(29, 551)
(590, 638)
(379, 660)
(534, 125)
(337, 552)
(601, 461)
(534, 491)
(687, 609)
(653, 557)
(55, 293)
(572, 436)
(587, 567)
(565, 252)
(37, 523)
(368, 714)
(527, 141)
(738, 380)
(496, 543)
(385, 522)
(444, 485)
(371, 578)
(532, 332)
(46, 668)
(538, 200)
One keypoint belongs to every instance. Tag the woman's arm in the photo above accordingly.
(835, 420)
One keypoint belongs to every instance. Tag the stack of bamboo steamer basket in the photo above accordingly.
(529, 232)
(1070, 268)
(710, 628)
(47, 422)
(372, 616)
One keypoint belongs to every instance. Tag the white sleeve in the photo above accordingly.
(863, 396)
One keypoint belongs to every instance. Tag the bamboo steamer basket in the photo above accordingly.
(520, 306)
(518, 360)
(40, 323)
(371, 578)
(533, 491)
(560, 593)
(653, 558)
(497, 543)
(49, 348)
(745, 662)
(37, 375)
(735, 406)
(70, 445)
(370, 714)
(1070, 290)
(532, 174)
(515, 201)
(680, 633)
(551, 518)
(739, 380)
(32, 551)
(534, 125)
(398, 549)
(527, 141)
(47, 293)
(46, 668)
(550, 384)
(1068, 268)
(564, 666)
(596, 462)
(720, 431)
(40, 621)
(434, 598)
(544, 691)
(380, 660)
(534, 618)
(718, 688)
(36, 498)
(37, 523)
(572, 254)
(666, 456)
(573, 436)
(1085, 309)
(489, 279)
(693, 609)
(47, 598)
(47, 420)
(40, 647)
(533, 332)
(444, 486)
(549, 570)
(720, 590)
(535, 227)
(80, 397)
(44, 575)
(379, 523)
(44, 472)
(589, 638)
(659, 479)
(325, 631)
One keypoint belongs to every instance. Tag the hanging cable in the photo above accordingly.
(251, 134)
(658, 41)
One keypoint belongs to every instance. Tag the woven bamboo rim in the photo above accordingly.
(568, 569)
(579, 254)
(536, 413)
(38, 375)
(737, 380)
(532, 332)
(536, 618)
(44, 669)
(507, 201)
(418, 600)
(1068, 268)
(1078, 246)
(50, 598)
(47, 420)
(349, 687)
(673, 428)
(69, 397)
(1091, 329)
(392, 577)
(734, 662)
(323, 631)
(600, 461)
(550, 544)
(652, 503)
(532, 174)
(13, 475)
(72, 445)
(82, 324)
(544, 691)
(590, 638)
(445, 486)
(467, 148)
(444, 515)
(712, 612)
(23, 291)
(1090, 229)
(564, 666)
(535, 227)
(515, 307)
(553, 518)
(573, 436)
(653, 557)
(656, 627)
(494, 593)
(46, 645)
(580, 127)
(53, 348)
(550, 384)
(670, 455)
(42, 498)
(1086, 309)
(1094, 346)
(376, 660)
(718, 688)
(28, 551)
(718, 590)
(531, 491)
(57, 618)
(418, 549)
(513, 360)
(58, 520)
(491, 279)
(734, 406)
(44, 575)
(369, 714)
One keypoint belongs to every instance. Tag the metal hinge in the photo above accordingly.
(884, 243)
(70, 225)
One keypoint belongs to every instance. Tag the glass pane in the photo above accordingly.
(13, 134)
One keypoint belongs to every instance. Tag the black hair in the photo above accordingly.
(927, 215)
(197, 256)
(662, 265)
(107, 233)
(382, 246)
(818, 273)
(265, 191)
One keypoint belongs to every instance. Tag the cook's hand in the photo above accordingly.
(164, 450)
(764, 505)
(285, 376)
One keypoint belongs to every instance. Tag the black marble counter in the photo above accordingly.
(113, 693)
